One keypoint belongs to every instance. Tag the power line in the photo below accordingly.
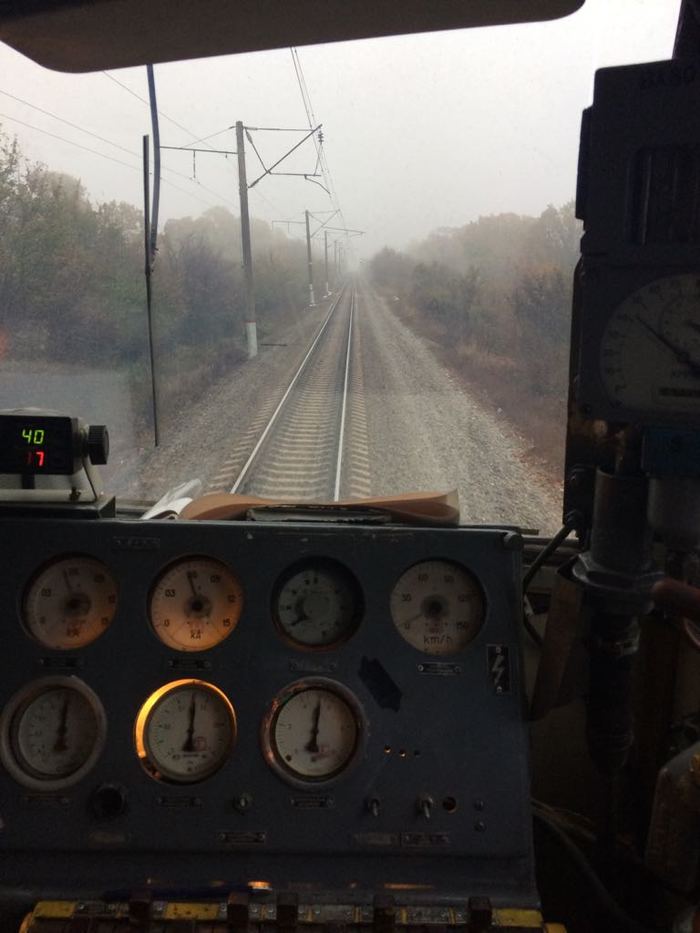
(103, 155)
(166, 117)
(74, 126)
(144, 101)
(82, 129)
(311, 117)
(70, 142)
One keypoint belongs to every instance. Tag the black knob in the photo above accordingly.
(98, 444)
(108, 801)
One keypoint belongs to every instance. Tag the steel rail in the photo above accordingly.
(245, 469)
(341, 433)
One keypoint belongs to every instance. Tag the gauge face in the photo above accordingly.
(195, 604)
(69, 602)
(650, 351)
(313, 731)
(438, 607)
(52, 733)
(185, 731)
(317, 605)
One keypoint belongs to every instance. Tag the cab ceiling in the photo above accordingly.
(88, 35)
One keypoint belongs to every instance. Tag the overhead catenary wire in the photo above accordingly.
(102, 155)
(194, 139)
(311, 118)
(108, 142)
(146, 102)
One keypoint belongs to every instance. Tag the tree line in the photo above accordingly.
(72, 280)
(495, 295)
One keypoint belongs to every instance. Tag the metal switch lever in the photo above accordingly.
(372, 804)
(425, 805)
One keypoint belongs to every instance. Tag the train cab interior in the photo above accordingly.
(389, 720)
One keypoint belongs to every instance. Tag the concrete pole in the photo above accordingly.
(325, 249)
(312, 299)
(250, 324)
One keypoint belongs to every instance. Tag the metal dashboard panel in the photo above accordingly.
(454, 728)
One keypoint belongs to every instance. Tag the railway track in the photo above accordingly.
(313, 445)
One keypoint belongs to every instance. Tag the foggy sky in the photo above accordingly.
(420, 132)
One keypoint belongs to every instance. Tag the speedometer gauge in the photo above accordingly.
(313, 731)
(317, 604)
(52, 733)
(437, 607)
(195, 604)
(69, 602)
(185, 731)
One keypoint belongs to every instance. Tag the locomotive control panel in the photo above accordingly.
(186, 704)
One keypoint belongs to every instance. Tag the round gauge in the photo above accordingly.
(437, 606)
(317, 604)
(195, 604)
(313, 731)
(185, 731)
(52, 733)
(69, 602)
(650, 350)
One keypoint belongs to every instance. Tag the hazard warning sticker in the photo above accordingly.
(499, 667)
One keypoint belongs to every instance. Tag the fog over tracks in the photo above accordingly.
(378, 416)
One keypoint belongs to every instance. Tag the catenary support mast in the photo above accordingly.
(312, 298)
(250, 322)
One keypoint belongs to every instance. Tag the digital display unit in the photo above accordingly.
(39, 444)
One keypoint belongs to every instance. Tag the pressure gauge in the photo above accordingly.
(437, 607)
(650, 349)
(313, 731)
(185, 731)
(69, 602)
(195, 604)
(317, 604)
(51, 733)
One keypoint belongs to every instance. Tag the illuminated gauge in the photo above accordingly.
(317, 604)
(185, 731)
(69, 602)
(195, 604)
(313, 731)
(437, 606)
(650, 350)
(52, 732)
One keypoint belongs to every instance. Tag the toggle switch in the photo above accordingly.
(372, 804)
(425, 805)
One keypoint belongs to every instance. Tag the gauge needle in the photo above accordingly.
(190, 578)
(312, 744)
(60, 744)
(67, 579)
(681, 355)
(302, 617)
(189, 744)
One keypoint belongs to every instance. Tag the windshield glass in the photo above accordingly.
(403, 321)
